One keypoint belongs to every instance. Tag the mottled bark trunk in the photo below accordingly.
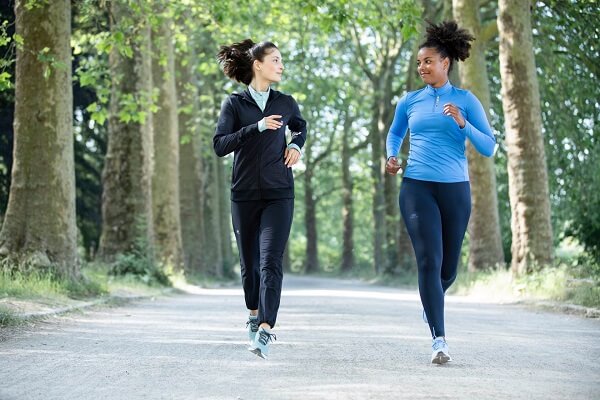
(39, 228)
(485, 240)
(347, 202)
(190, 167)
(527, 172)
(311, 263)
(165, 178)
(287, 261)
(225, 217)
(127, 224)
(379, 206)
(212, 218)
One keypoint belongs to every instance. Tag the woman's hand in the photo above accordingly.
(453, 111)
(392, 166)
(272, 122)
(291, 157)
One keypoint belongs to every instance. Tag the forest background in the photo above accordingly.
(107, 111)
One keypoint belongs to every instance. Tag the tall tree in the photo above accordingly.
(40, 227)
(165, 177)
(387, 28)
(127, 223)
(527, 173)
(485, 240)
(190, 163)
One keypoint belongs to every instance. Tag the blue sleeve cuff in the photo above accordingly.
(294, 146)
(262, 125)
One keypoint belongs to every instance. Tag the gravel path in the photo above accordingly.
(336, 340)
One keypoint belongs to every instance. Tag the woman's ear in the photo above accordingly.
(257, 64)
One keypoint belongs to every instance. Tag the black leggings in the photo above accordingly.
(262, 229)
(436, 217)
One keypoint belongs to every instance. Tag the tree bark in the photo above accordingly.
(190, 167)
(347, 202)
(377, 171)
(165, 179)
(39, 228)
(212, 226)
(311, 264)
(485, 240)
(127, 223)
(225, 217)
(527, 172)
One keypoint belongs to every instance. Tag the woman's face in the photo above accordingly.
(432, 68)
(271, 67)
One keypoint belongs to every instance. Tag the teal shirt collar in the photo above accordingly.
(260, 97)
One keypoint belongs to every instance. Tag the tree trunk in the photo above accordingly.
(485, 240)
(225, 217)
(287, 261)
(347, 202)
(190, 168)
(377, 171)
(527, 171)
(126, 197)
(310, 218)
(39, 228)
(165, 179)
(212, 226)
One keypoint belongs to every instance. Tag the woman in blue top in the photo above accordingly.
(435, 197)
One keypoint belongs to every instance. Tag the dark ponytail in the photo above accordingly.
(449, 40)
(236, 59)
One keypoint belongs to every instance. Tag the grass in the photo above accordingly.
(47, 285)
(561, 283)
(34, 289)
(8, 317)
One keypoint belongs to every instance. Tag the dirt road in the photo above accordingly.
(336, 340)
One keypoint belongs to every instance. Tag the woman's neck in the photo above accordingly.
(439, 85)
(260, 85)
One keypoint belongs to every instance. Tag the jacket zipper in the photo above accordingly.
(437, 100)
(260, 147)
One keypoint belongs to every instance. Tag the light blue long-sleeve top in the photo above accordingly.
(437, 143)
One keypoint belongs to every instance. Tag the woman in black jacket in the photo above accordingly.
(252, 124)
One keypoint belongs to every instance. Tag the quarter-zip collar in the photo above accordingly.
(439, 91)
(273, 94)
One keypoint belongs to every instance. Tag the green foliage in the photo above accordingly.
(141, 267)
(8, 317)
(44, 283)
(567, 50)
(140, 263)
(7, 46)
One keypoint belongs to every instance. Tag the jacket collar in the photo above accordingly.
(439, 91)
(273, 94)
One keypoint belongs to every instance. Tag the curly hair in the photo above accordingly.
(237, 58)
(449, 40)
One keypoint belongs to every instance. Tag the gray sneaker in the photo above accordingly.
(440, 354)
(252, 326)
(260, 346)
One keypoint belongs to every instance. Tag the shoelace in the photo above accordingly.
(264, 337)
(253, 324)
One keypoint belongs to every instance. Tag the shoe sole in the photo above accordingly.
(441, 358)
(257, 352)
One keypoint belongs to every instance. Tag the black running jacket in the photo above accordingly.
(259, 171)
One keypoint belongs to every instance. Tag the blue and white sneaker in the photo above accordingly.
(252, 326)
(440, 354)
(260, 346)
